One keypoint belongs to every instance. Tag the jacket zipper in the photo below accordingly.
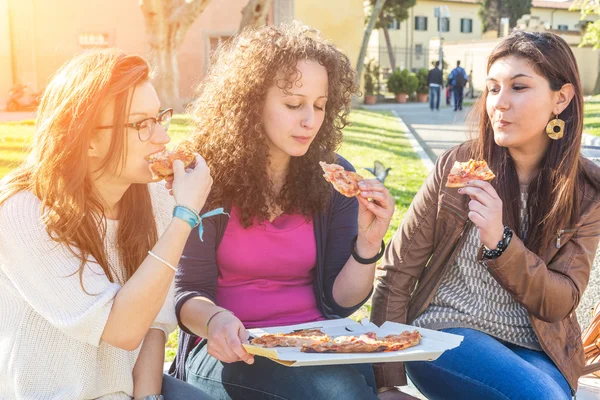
(559, 233)
(457, 244)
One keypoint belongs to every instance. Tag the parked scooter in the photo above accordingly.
(22, 98)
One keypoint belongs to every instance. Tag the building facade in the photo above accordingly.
(415, 41)
(37, 36)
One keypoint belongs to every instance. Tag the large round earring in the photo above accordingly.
(556, 128)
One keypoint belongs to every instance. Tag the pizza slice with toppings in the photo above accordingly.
(463, 172)
(345, 182)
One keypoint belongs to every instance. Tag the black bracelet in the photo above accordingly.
(491, 254)
(366, 261)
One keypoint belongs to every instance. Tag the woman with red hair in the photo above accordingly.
(88, 244)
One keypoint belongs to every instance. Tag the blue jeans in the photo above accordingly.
(268, 380)
(434, 93)
(458, 97)
(484, 368)
(174, 389)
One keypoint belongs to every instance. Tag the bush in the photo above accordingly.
(402, 81)
(422, 75)
(371, 77)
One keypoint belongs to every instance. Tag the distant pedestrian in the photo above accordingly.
(458, 79)
(435, 81)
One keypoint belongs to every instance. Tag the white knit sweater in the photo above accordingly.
(50, 329)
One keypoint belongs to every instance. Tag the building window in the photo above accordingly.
(563, 27)
(420, 23)
(93, 40)
(394, 24)
(444, 24)
(418, 51)
(466, 25)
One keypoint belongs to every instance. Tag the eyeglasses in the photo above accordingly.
(145, 127)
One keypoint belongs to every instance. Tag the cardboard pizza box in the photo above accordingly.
(433, 344)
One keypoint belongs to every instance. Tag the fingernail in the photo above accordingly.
(459, 190)
(468, 183)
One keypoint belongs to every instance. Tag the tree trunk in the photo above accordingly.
(255, 13)
(390, 49)
(167, 22)
(365, 43)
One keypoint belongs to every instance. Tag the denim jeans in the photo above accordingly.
(268, 380)
(174, 389)
(434, 93)
(484, 368)
(458, 97)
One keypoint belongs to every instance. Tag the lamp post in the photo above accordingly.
(441, 12)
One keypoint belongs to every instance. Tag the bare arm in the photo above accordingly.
(148, 370)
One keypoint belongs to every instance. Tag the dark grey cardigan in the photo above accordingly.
(198, 270)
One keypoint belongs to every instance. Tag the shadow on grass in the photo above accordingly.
(382, 147)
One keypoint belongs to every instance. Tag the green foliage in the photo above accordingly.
(402, 81)
(393, 9)
(591, 36)
(491, 11)
(371, 76)
(422, 75)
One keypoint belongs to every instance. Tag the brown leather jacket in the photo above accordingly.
(549, 287)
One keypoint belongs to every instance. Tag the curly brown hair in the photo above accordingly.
(229, 121)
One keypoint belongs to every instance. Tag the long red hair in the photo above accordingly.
(56, 170)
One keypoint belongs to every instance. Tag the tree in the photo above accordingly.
(255, 13)
(591, 34)
(392, 10)
(365, 43)
(491, 11)
(167, 22)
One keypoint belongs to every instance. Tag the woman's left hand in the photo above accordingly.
(373, 216)
(485, 210)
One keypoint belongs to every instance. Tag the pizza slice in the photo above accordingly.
(298, 338)
(345, 182)
(366, 343)
(161, 164)
(463, 172)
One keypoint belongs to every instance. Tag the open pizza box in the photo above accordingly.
(433, 344)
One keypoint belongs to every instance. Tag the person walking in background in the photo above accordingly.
(458, 79)
(435, 81)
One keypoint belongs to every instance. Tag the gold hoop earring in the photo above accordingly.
(556, 128)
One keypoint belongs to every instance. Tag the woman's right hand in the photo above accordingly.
(191, 187)
(226, 333)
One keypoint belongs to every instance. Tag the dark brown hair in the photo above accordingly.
(553, 198)
(228, 114)
(57, 168)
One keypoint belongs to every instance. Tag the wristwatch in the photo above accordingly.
(490, 254)
(151, 397)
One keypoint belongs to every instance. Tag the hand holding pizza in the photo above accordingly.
(190, 187)
(485, 210)
(373, 216)
(226, 333)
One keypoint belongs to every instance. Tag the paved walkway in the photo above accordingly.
(438, 131)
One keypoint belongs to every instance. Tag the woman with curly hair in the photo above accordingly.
(292, 250)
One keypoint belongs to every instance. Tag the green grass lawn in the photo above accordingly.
(591, 118)
(372, 136)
